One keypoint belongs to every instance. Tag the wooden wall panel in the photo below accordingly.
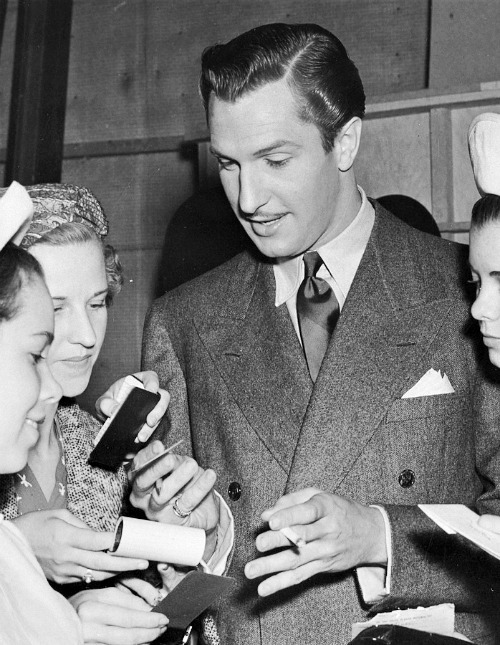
(394, 157)
(139, 193)
(135, 64)
(464, 42)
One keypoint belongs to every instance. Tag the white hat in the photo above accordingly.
(16, 211)
(484, 150)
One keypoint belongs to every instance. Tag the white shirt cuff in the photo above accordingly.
(225, 539)
(375, 581)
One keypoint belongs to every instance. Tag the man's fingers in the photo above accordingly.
(167, 488)
(287, 579)
(169, 465)
(292, 499)
(306, 513)
(196, 492)
(270, 540)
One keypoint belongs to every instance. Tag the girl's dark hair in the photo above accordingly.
(17, 267)
(485, 210)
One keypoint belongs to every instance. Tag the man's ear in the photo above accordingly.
(347, 143)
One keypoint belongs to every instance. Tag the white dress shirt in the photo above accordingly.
(341, 257)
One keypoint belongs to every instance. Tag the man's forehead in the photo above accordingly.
(257, 119)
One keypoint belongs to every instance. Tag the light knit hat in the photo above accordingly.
(484, 151)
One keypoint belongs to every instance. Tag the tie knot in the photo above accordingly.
(312, 263)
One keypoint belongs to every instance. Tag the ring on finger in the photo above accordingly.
(88, 577)
(179, 511)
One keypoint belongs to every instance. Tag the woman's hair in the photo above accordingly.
(77, 233)
(486, 210)
(17, 267)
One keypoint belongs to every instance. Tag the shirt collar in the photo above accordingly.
(341, 256)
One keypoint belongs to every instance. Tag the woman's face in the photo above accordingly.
(76, 278)
(26, 384)
(484, 259)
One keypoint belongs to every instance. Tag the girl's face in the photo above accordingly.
(484, 259)
(26, 384)
(76, 277)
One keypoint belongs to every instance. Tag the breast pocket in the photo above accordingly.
(428, 442)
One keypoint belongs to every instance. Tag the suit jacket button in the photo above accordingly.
(234, 491)
(406, 478)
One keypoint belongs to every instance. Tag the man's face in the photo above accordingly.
(281, 184)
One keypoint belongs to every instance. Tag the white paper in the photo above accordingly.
(181, 545)
(457, 518)
(439, 619)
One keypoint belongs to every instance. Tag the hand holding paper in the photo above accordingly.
(172, 478)
(457, 518)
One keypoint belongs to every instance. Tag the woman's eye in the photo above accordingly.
(98, 305)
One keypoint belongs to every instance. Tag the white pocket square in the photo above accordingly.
(430, 384)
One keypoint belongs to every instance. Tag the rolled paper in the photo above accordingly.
(181, 545)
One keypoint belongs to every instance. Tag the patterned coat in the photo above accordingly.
(94, 495)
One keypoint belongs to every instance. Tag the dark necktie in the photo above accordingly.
(318, 311)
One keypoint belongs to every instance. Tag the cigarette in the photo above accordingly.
(294, 538)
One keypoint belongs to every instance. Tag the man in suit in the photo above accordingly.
(292, 368)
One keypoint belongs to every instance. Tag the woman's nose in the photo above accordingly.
(486, 305)
(50, 390)
(82, 331)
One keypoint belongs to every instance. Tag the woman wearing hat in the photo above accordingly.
(66, 508)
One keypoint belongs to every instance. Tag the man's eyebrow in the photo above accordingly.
(274, 146)
(262, 151)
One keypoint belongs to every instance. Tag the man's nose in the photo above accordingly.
(252, 194)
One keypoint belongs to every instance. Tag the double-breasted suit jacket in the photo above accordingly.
(242, 395)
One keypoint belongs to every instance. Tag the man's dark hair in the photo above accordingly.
(486, 210)
(320, 74)
(17, 267)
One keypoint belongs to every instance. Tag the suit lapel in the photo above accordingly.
(257, 353)
(380, 344)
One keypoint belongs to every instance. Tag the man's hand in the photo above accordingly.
(172, 477)
(116, 616)
(107, 403)
(67, 548)
(340, 534)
